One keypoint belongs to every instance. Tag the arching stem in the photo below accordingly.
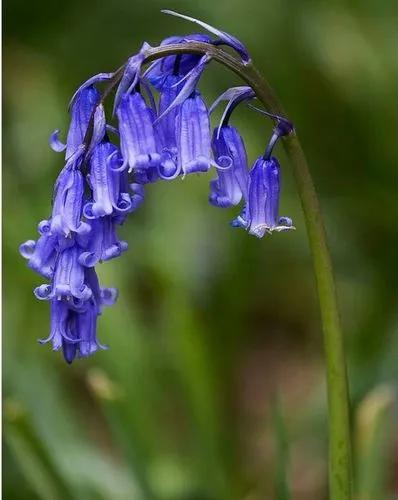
(340, 467)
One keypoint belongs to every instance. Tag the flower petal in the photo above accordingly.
(55, 144)
(226, 38)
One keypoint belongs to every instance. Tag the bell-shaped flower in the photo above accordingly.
(261, 212)
(68, 280)
(41, 254)
(232, 175)
(84, 103)
(73, 324)
(193, 135)
(102, 243)
(165, 127)
(105, 182)
(60, 325)
(137, 137)
(68, 202)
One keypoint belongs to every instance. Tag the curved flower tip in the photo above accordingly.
(224, 37)
(109, 296)
(124, 204)
(44, 227)
(27, 249)
(168, 170)
(234, 96)
(43, 292)
(55, 144)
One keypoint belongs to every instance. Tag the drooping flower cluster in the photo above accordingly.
(103, 180)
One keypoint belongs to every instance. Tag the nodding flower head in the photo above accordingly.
(107, 165)
(232, 175)
(73, 326)
(260, 214)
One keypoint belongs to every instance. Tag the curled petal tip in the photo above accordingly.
(109, 296)
(43, 292)
(27, 249)
(55, 144)
(225, 38)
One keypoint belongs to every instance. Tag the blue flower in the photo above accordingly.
(101, 183)
(230, 154)
(261, 212)
(193, 135)
(68, 203)
(138, 143)
(73, 324)
(85, 102)
(109, 195)
(68, 279)
(165, 126)
(75, 226)
(102, 243)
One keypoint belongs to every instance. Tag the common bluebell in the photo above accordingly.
(107, 165)
(260, 214)
(231, 183)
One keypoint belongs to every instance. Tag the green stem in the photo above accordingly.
(340, 467)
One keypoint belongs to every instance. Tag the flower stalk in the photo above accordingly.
(340, 466)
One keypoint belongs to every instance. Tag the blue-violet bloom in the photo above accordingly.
(231, 183)
(261, 212)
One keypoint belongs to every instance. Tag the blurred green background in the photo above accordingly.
(213, 386)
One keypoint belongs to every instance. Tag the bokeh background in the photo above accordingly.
(213, 387)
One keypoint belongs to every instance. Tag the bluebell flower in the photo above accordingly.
(68, 279)
(193, 135)
(105, 181)
(102, 243)
(138, 143)
(261, 212)
(165, 126)
(73, 324)
(41, 254)
(101, 183)
(229, 153)
(84, 103)
(68, 203)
